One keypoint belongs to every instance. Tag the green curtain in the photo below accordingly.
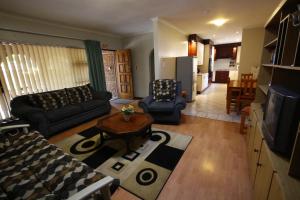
(96, 66)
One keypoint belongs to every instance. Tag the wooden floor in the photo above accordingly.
(214, 166)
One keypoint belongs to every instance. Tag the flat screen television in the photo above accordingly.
(281, 118)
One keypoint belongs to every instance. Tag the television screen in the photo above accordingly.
(281, 118)
(272, 112)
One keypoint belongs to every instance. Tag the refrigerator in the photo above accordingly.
(186, 72)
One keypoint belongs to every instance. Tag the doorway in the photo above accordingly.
(109, 59)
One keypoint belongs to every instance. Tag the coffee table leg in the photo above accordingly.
(150, 131)
(101, 138)
(127, 141)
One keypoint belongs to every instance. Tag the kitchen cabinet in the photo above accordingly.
(221, 76)
(202, 82)
(200, 53)
(227, 50)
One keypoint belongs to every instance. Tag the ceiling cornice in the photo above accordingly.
(29, 19)
(157, 19)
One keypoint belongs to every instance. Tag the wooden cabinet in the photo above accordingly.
(268, 171)
(226, 50)
(264, 175)
(255, 153)
(221, 76)
(251, 131)
(275, 189)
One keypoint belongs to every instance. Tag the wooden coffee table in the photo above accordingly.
(117, 128)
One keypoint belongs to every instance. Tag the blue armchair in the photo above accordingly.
(164, 112)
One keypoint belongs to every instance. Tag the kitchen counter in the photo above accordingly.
(202, 82)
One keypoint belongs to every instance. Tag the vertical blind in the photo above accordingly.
(27, 69)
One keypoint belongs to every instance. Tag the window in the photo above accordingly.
(29, 69)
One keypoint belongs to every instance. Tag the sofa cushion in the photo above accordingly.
(74, 95)
(42, 171)
(61, 97)
(4, 143)
(85, 93)
(23, 185)
(90, 105)
(64, 112)
(156, 106)
(164, 90)
(3, 196)
(44, 100)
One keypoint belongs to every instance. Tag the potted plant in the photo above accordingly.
(127, 112)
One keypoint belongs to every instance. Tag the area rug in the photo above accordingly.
(144, 171)
(122, 101)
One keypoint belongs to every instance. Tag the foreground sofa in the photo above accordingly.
(55, 111)
(168, 112)
(32, 169)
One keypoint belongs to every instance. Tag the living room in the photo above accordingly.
(149, 100)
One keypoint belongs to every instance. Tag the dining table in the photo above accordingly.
(234, 86)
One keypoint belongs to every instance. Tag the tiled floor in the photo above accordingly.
(212, 104)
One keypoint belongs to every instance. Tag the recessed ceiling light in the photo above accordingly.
(237, 32)
(218, 22)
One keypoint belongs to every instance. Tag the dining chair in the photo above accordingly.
(231, 97)
(247, 93)
(246, 76)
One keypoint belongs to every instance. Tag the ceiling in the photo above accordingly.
(131, 17)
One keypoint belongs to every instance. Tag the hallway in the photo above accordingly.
(212, 104)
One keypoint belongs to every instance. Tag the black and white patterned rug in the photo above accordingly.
(144, 171)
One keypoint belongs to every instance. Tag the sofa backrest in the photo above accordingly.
(178, 88)
(24, 99)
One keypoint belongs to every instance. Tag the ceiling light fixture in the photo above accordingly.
(218, 22)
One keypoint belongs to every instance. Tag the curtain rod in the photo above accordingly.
(41, 34)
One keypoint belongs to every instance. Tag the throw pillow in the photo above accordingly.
(4, 143)
(33, 100)
(85, 93)
(46, 101)
(73, 95)
(61, 97)
(164, 90)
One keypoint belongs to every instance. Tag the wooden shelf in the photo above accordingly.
(264, 88)
(275, 15)
(272, 44)
(296, 68)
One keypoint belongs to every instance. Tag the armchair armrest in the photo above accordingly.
(102, 185)
(144, 103)
(180, 102)
(147, 100)
(24, 126)
(23, 111)
(102, 95)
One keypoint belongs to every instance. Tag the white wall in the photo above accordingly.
(252, 46)
(22, 24)
(168, 42)
(141, 47)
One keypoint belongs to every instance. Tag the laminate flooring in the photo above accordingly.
(214, 166)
